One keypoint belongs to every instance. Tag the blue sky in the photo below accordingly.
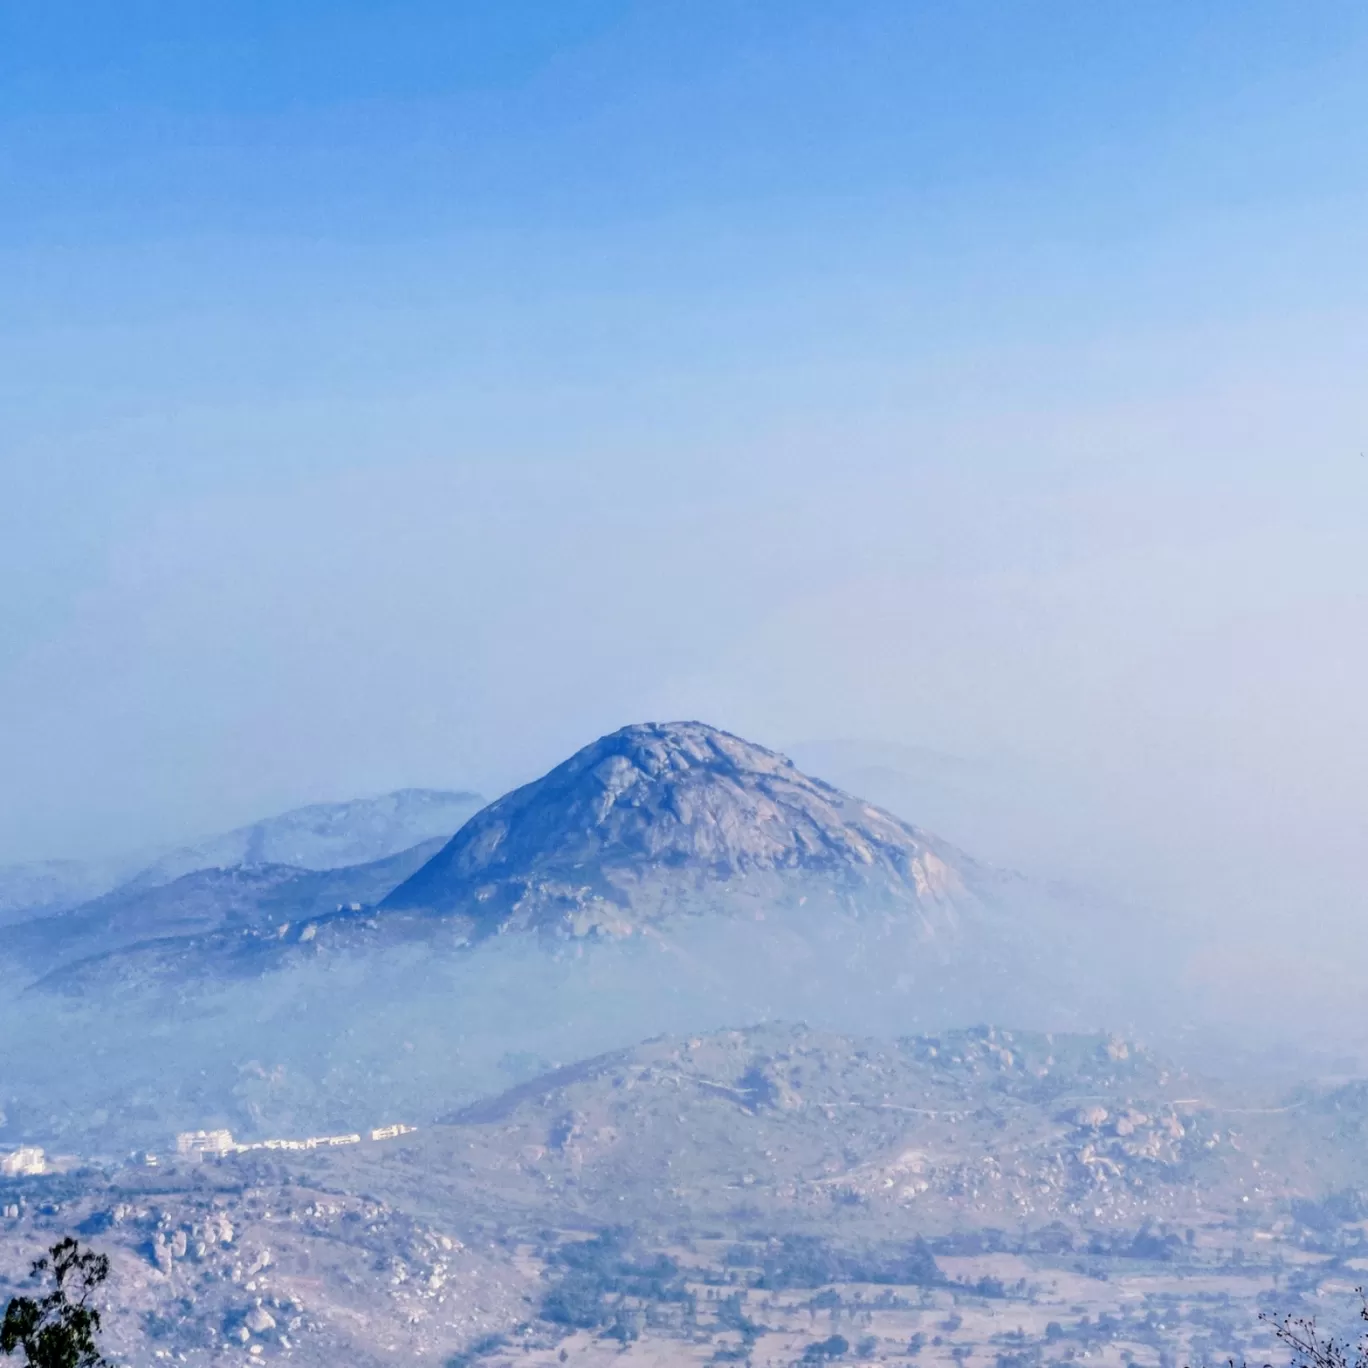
(407, 393)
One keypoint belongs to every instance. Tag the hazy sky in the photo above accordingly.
(407, 393)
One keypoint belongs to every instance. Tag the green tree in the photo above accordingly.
(59, 1329)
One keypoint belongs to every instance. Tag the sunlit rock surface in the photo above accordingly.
(666, 817)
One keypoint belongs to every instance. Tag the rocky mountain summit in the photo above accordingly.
(658, 818)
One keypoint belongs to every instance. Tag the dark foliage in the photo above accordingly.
(989, 1240)
(593, 1276)
(486, 1344)
(1055, 1238)
(1145, 1243)
(826, 1349)
(1338, 1209)
(1148, 1245)
(731, 1315)
(801, 1261)
(58, 1330)
(808, 1261)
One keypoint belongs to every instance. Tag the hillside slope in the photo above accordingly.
(322, 835)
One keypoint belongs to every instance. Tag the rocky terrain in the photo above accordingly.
(774, 1196)
(205, 1266)
(883, 1184)
(802, 1130)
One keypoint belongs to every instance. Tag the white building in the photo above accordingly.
(26, 1161)
(196, 1144)
(390, 1132)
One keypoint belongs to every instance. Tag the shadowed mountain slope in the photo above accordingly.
(229, 900)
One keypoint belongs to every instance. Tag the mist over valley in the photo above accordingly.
(717, 1018)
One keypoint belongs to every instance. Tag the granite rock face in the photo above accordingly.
(658, 818)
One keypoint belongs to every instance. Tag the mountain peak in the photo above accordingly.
(665, 816)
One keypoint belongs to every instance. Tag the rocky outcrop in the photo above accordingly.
(660, 818)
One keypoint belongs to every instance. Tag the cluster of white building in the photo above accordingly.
(26, 1161)
(216, 1143)
(30, 1161)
